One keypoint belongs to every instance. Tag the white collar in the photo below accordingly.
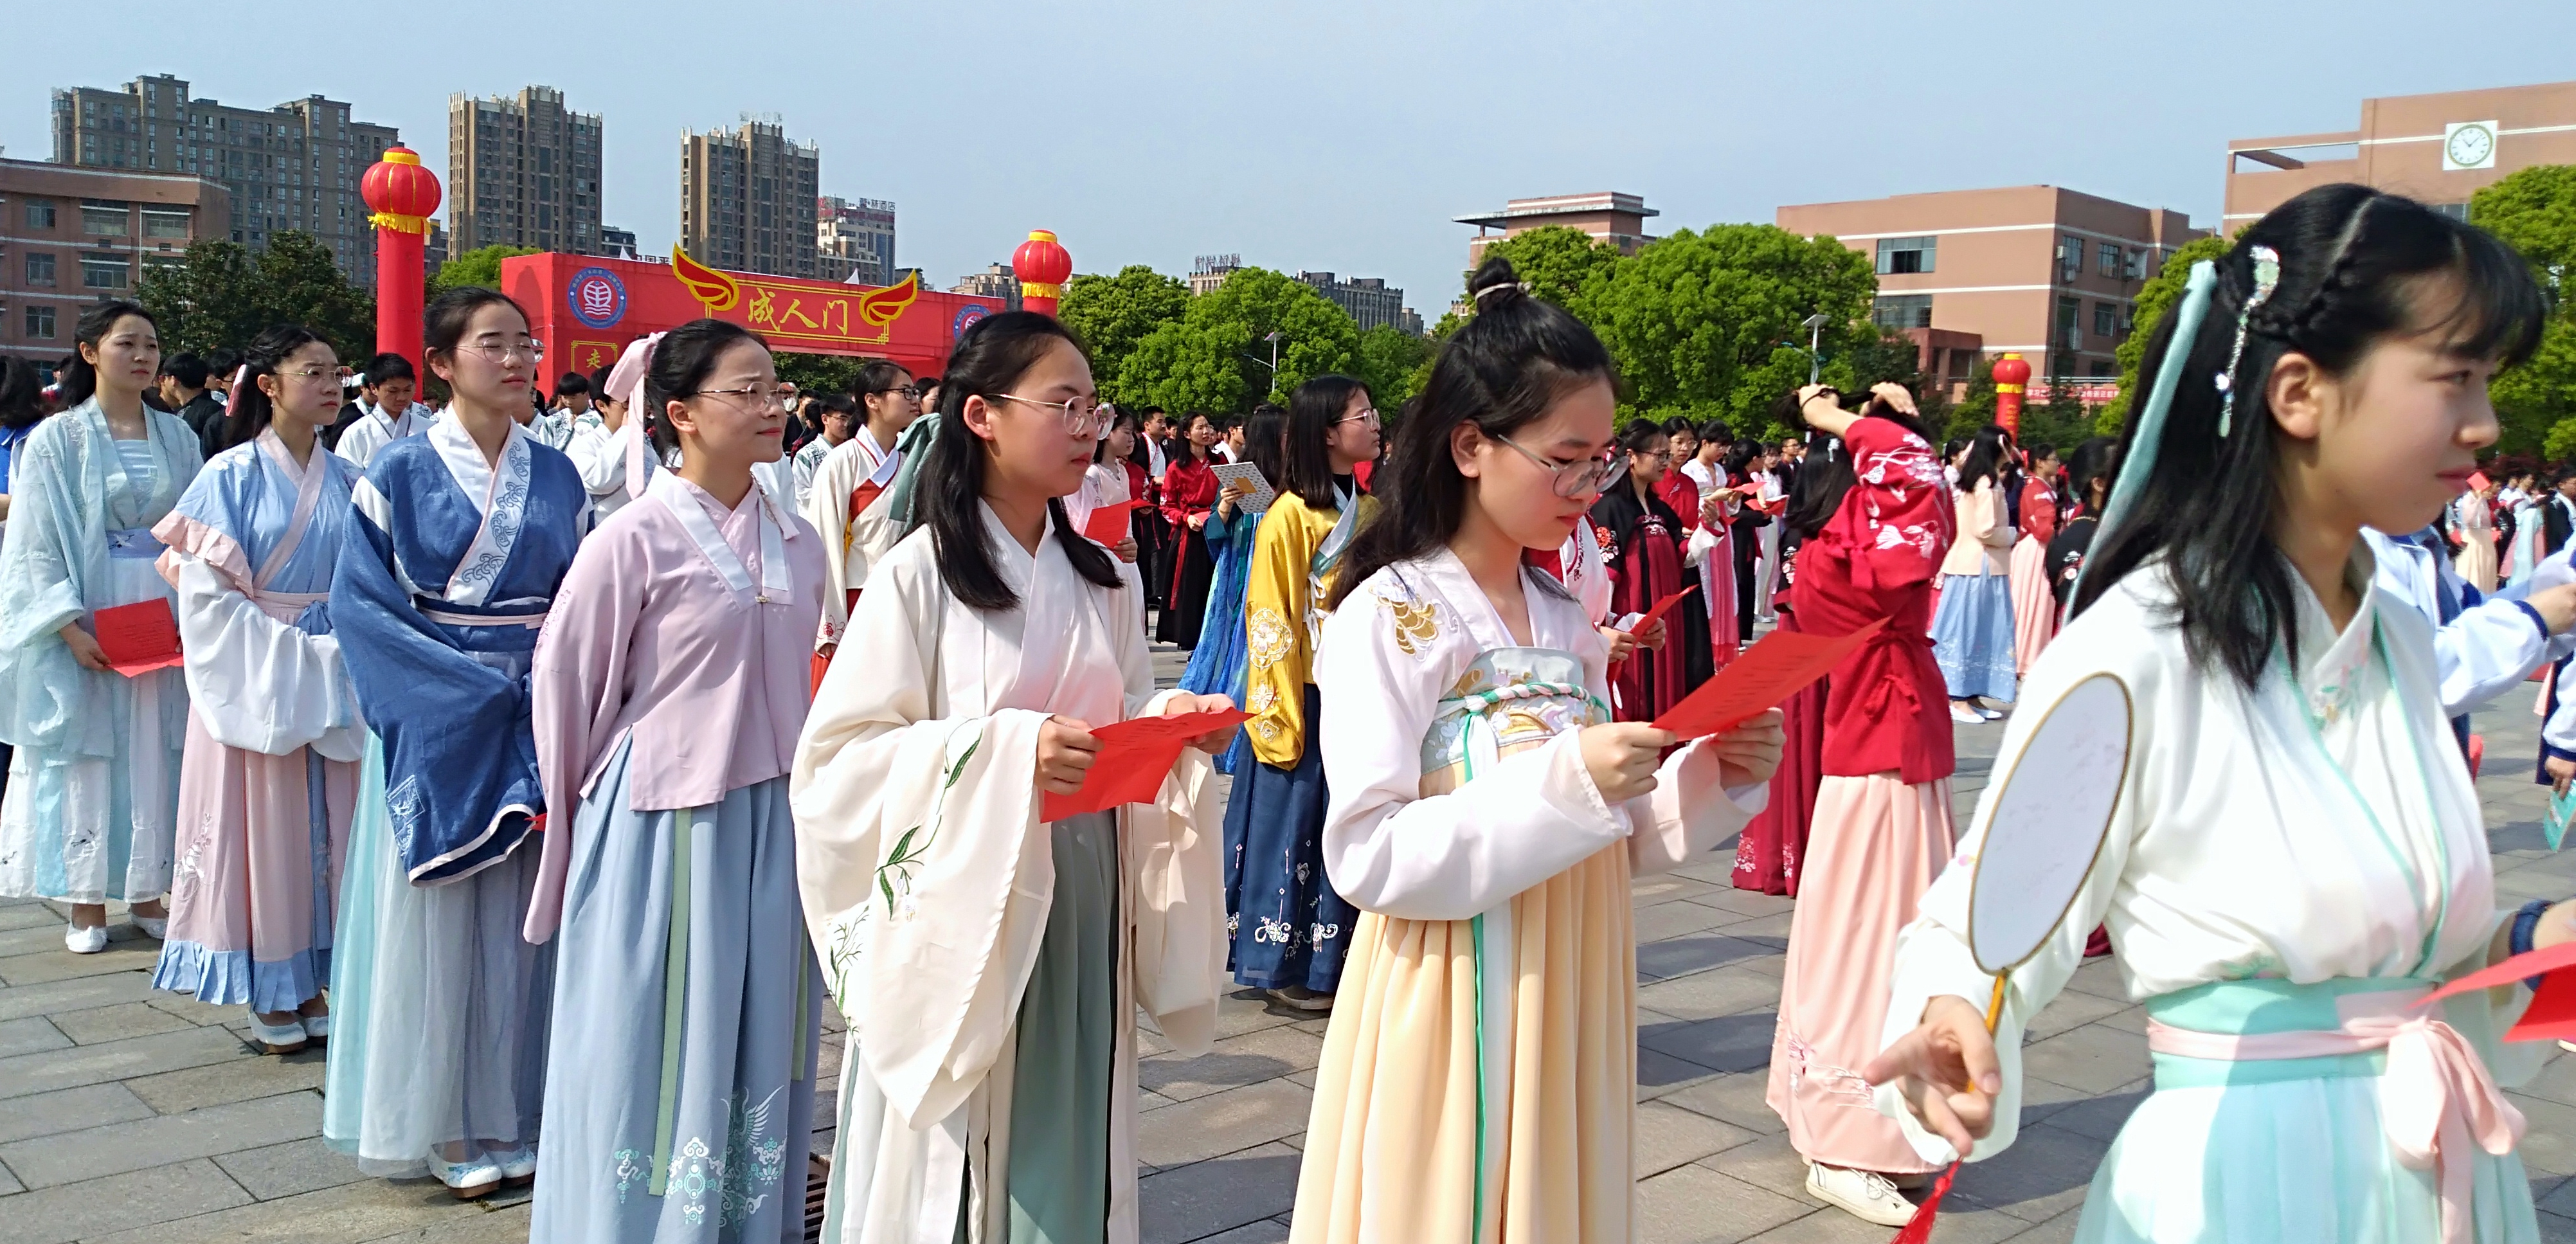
(2333, 661)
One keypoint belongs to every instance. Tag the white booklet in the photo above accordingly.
(1257, 493)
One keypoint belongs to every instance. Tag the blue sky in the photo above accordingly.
(1336, 135)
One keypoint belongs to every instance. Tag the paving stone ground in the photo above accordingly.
(131, 1116)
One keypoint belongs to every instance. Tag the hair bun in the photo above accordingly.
(1495, 285)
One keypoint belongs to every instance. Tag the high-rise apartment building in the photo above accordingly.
(747, 199)
(855, 239)
(1369, 299)
(522, 171)
(618, 243)
(292, 167)
(71, 236)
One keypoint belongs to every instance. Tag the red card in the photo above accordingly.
(1768, 673)
(1647, 618)
(2552, 1014)
(1108, 524)
(1133, 757)
(138, 638)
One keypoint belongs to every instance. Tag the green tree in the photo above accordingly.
(2156, 297)
(1707, 324)
(1561, 265)
(1394, 363)
(817, 374)
(2062, 421)
(479, 266)
(1974, 409)
(1112, 313)
(221, 296)
(1216, 356)
(1889, 356)
(2534, 211)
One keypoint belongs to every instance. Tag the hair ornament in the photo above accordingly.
(241, 381)
(2267, 278)
(1496, 287)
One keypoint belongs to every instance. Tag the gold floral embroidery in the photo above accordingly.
(1265, 635)
(1469, 683)
(1417, 623)
(1263, 696)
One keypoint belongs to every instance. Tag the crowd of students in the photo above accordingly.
(555, 762)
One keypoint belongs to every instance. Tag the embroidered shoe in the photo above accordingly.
(472, 1179)
(85, 941)
(1865, 1195)
(518, 1166)
(286, 1038)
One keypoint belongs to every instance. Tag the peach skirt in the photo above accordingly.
(1874, 848)
(2034, 605)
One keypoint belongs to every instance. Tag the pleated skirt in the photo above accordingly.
(256, 887)
(1972, 636)
(1290, 927)
(2034, 605)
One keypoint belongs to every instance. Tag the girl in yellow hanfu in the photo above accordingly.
(1290, 928)
(1478, 1081)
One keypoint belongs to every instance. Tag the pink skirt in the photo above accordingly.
(2034, 606)
(1875, 847)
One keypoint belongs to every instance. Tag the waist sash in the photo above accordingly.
(532, 621)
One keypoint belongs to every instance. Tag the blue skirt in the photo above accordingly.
(1289, 926)
(1972, 636)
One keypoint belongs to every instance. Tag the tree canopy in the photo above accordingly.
(221, 296)
(2534, 210)
(479, 266)
(1113, 313)
(1215, 356)
(2155, 298)
(1394, 363)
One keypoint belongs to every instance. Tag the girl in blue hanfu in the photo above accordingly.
(991, 963)
(93, 794)
(669, 685)
(271, 774)
(2297, 855)
(462, 535)
(1479, 1080)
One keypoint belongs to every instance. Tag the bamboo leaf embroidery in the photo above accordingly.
(894, 876)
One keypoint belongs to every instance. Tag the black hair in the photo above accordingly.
(79, 379)
(2038, 451)
(252, 410)
(2564, 473)
(443, 325)
(1716, 430)
(2097, 458)
(1987, 459)
(1823, 477)
(22, 394)
(878, 376)
(186, 368)
(2352, 263)
(1680, 425)
(1100, 450)
(221, 364)
(1739, 457)
(1634, 436)
(1500, 370)
(1183, 449)
(599, 381)
(1265, 441)
(989, 361)
(390, 366)
(1306, 468)
(570, 383)
(682, 362)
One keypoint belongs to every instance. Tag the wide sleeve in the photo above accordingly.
(254, 682)
(1175, 507)
(1388, 848)
(43, 691)
(919, 855)
(1277, 664)
(601, 459)
(2039, 512)
(827, 507)
(577, 684)
(1690, 811)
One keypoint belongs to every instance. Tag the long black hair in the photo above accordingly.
(22, 394)
(1313, 411)
(252, 410)
(1500, 371)
(79, 378)
(1182, 448)
(1988, 459)
(1265, 433)
(682, 362)
(990, 360)
(2350, 259)
(2097, 458)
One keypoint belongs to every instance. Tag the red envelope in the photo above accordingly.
(138, 638)
(1134, 756)
(1647, 618)
(1768, 673)
(2552, 1014)
(1108, 524)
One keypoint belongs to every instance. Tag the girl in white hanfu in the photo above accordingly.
(991, 964)
(1479, 1079)
(271, 774)
(93, 793)
(2297, 856)
(2473, 516)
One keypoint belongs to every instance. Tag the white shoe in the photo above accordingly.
(1962, 713)
(1988, 713)
(286, 1038)
(518, 1166)
(1865, 1195)
(154, 927)
(473, 1178)
(317, 1027)
(85, 941)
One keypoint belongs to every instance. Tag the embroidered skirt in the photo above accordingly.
(1290, 927)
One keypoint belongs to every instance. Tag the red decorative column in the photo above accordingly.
(403, 195)
(2012, 380)
(1043, 267)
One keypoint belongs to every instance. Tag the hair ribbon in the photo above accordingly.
(2140, 460)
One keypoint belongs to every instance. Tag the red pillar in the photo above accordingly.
(403, 195)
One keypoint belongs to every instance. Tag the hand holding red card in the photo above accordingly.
(1134, 756)
(1647, 618)
(1768, 673)
(138, 638)
(1108, 524)
(2552, 1014)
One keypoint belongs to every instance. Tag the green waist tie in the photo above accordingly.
(2257, 1007)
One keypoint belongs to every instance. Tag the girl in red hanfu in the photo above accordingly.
(2034, 605)
(1189, 496)
(1882, 821)
(1772, 852)
(1643, 542)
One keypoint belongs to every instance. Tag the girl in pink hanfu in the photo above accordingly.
(270, 774)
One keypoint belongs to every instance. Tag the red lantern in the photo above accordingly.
(1043, 267)
(403, 195)
(2012, 380)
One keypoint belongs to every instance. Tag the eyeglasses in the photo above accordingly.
(1083, 416)
(314, 373)
(910, 390)
(1659, 455)
(1368, 417)
(532, 351)
(761, 396)
(1573, 479)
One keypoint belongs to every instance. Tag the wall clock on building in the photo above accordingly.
(2468, 145)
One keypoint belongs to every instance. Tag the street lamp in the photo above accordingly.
(1815, 326)
(1274, 338)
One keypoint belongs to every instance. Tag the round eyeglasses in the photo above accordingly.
(1573, 479)
(1083, 416)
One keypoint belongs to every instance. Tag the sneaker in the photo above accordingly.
(85, 941)
(472, 1179)
(1865, 1195)
(1302, 998)
(1960, 712)
(286, 1038)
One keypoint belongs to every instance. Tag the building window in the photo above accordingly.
(2070, 257)
(1903, 255)
(40, 268)
(103, 221)
(164, 225)
(2061, 366)
(2110, 259)
(40, 214)
(106, 272)
(2106, 319)
(2070, 322)
(1960, 362)
(1902, 311)
(2102, 369)
(40, 323)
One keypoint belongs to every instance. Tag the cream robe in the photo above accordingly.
(913, 784)
(851, 542)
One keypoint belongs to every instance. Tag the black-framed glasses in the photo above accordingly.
(912, 391)
(1083, 416)
(1573, 479)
